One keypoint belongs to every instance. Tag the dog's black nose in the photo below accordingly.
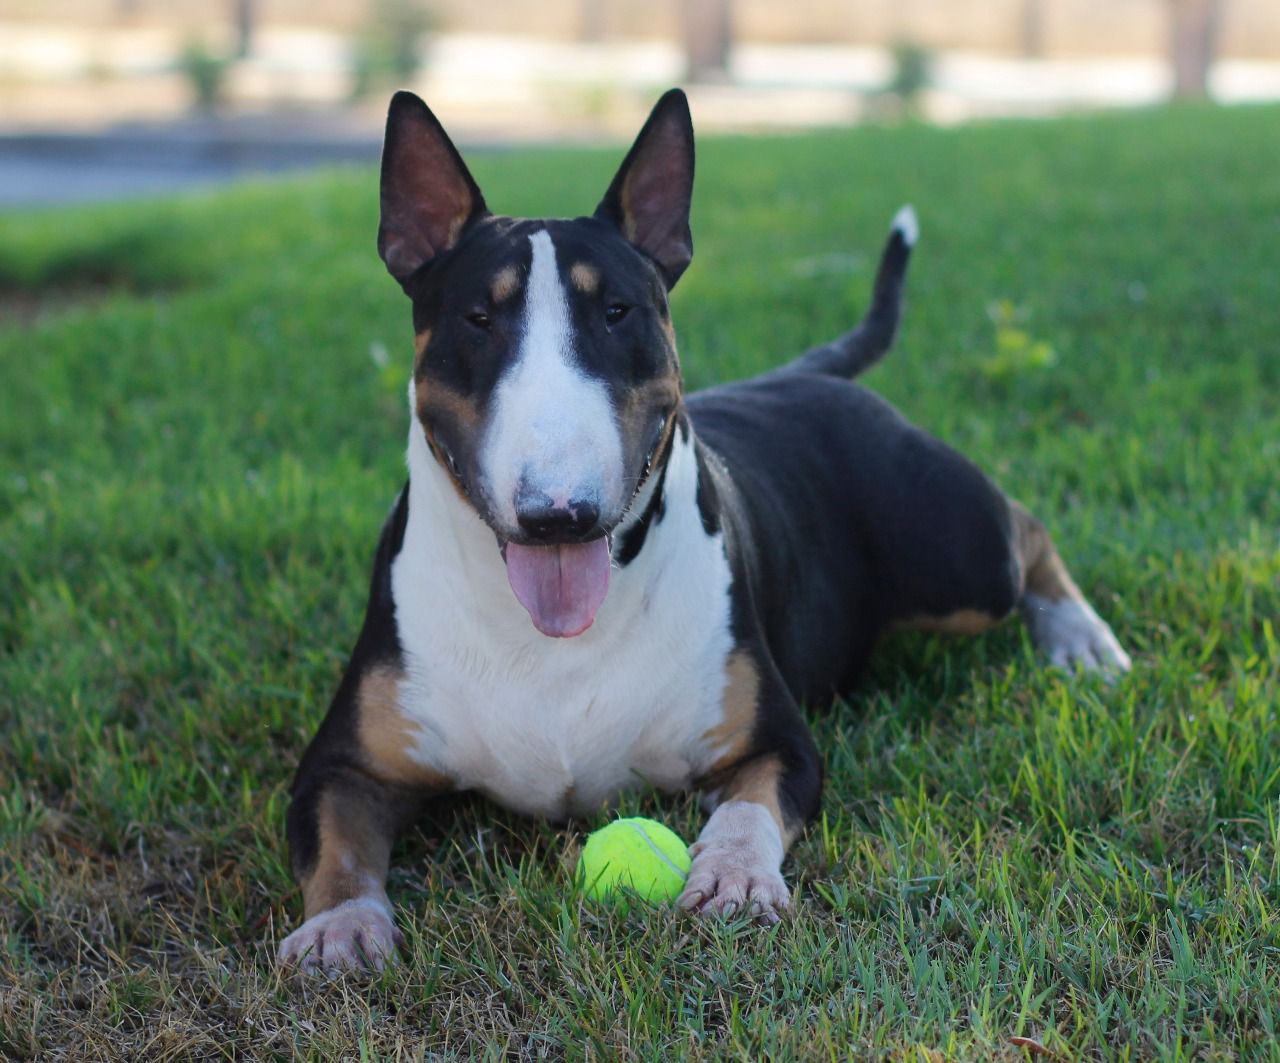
(547, 523)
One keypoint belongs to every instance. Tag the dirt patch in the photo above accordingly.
(22, 308)
(37, 282)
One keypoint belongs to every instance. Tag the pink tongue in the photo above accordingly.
(561, 586)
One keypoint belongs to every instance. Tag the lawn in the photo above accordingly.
(202, 422)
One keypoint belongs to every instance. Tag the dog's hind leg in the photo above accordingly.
(1017, 566)
(1062, 622)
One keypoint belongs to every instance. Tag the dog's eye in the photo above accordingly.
(451, 462)
(615, 312)
(479, 319)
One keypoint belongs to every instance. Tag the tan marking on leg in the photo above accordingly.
(386, 735)
(757, 781)
(504, 284)
(738, 856)
(349, 922)
(961, 622)
(741, 705)
(585, 277)
(734, 774)
(1043, 570)
(354, 854)
(1063, 623)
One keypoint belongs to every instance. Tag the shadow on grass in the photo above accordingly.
(39, 279)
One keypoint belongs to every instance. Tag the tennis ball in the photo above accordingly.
(637, 855)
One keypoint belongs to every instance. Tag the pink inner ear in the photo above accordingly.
(426, 197)
(655, 196)
(646, 197)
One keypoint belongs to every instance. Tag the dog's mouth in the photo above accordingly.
(561, 585)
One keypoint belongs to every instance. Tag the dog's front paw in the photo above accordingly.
(735, 866)
(1074, 636)
(722, 882)
(356, 935)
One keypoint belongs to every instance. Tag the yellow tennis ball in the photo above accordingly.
(636, 855)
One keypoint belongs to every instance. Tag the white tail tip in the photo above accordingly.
(905, 222)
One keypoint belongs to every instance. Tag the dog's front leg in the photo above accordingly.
(341, 824)
(762, 801)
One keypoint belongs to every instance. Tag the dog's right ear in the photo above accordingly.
(428, 196)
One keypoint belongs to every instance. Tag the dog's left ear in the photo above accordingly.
(650, 195)
(428, 195)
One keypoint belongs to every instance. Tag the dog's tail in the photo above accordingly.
(861, 348)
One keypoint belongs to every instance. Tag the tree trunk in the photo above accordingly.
(591, 21)
(1031, 29)
(1193, 38)
(708, 35)
(244, 18)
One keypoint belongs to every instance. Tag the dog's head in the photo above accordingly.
(546, 380)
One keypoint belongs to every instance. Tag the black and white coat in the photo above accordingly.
(592, 582)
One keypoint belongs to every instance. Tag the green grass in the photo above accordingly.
(197, 446)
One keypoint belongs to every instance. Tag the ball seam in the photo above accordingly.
(656, 851)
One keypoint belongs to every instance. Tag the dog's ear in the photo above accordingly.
(650, 195)
(428, 196)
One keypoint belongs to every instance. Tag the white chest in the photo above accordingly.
(557, 726)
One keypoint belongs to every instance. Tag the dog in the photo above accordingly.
(592, 581)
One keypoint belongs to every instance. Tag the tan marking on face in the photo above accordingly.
(420, 342)
(636, 416)
(436, 403)
(668, 329)
(741, 706)
(504, 284)
(421, 393)
(453, 480)
(585, 277)
(354, 852)
(668, 431)
(386, 735)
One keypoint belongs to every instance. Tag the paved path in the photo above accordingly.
(44, 169)
(500, 90)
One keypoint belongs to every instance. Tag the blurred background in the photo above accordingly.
(110, 98)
